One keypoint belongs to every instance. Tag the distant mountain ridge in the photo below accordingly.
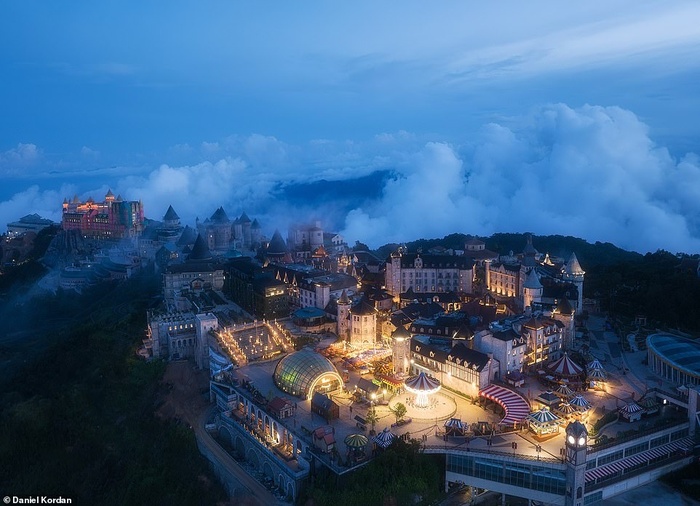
(591, 255)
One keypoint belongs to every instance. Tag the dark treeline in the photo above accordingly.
(77, 413)
(400, 475)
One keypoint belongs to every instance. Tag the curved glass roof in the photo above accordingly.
(679, 351)
(298, 373)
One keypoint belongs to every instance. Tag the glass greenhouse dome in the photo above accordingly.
(304, 372)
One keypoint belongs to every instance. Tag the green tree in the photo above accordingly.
(372, 417)
(399, 411)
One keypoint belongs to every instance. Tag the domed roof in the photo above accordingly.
(300, 372)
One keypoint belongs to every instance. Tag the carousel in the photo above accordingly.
(543, 422)
(566, 369)
(422, 386)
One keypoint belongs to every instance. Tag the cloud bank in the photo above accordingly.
(592, 172)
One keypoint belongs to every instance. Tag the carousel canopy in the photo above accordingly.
(454, 423)
(422, 383)
(596, 374)
(384, 438)
(542, 416)
(595, 365)
(631, 408)
(564, 391)
(566, 408)
(580, 403)
(356, 441)
(648, 403)
(565, 367)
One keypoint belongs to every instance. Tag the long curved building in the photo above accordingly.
(304, 372)
(674, 358)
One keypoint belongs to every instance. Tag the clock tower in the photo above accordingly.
(576, 450)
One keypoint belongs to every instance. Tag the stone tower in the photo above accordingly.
(401, 350)
(532, 290)
(344, 316)
(573, 273)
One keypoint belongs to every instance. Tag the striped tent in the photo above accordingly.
(542, 416)
(384, 438)
(631, 411)
(580, 404)
(543, 422)
(356, 441)
(650, 405)
(565, 367)
(596, 374)
(514, 405)
(564, 391)
(566, 408)
(454, 426)
(595, 365)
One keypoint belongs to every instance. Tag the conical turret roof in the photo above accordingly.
(255, 224)
(200, 250)
(170, 215)
(344, 298)
(220, 216)
(572, 266)
(533, 281)
(277, 245)
(244, 218)
(401, 332)
(189, 236)
(564, 306)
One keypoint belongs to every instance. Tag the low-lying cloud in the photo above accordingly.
(592, 172)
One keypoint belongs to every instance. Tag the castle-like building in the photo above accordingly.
(221, 233)
(531, 277)
(428, 273)
(114, 218)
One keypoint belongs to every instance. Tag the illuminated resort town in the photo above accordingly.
(321, 355)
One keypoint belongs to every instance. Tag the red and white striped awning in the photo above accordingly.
(635, 460)
(515, 406)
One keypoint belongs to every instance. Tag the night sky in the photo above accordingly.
(519, 116)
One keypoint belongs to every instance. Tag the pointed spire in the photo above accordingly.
(344, 298)
(533, 281)
(170, 215)
(573, 267)
(200, 250)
